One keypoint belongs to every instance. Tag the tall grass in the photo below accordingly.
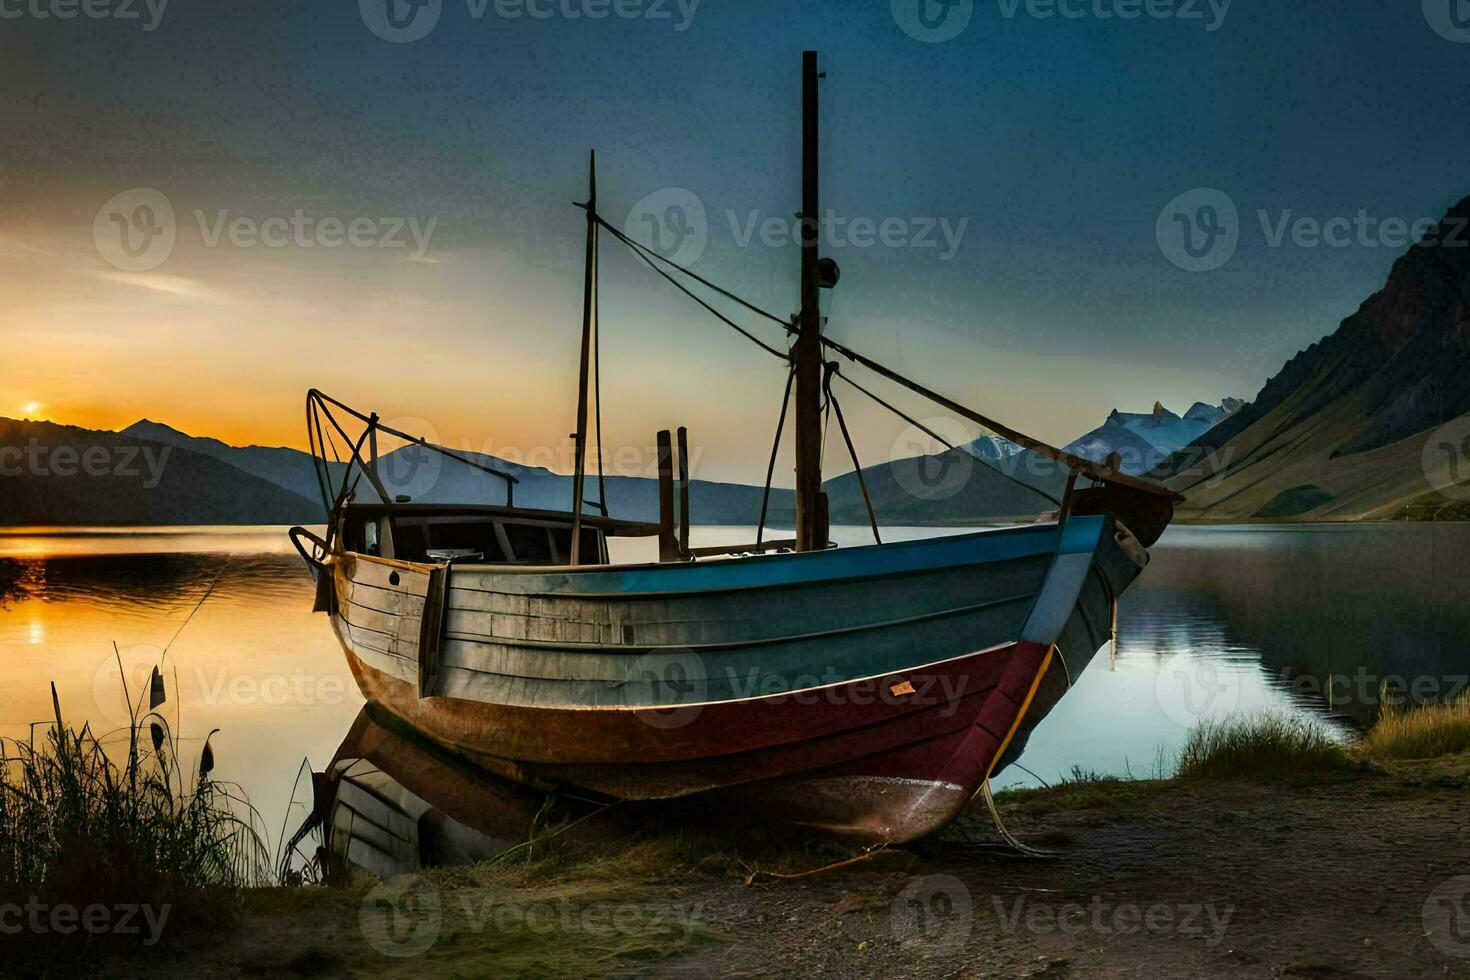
(1262, 745)
(1419, 731)
(78, 827)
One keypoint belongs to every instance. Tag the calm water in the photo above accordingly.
(1311, 620)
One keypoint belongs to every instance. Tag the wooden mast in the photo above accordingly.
(811, 525)
(589, 311)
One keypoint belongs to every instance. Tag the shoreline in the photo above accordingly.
(1327, 874)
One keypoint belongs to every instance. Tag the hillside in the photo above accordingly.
(63, 475)
(1350, 427)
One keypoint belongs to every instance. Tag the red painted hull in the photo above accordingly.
(881, 759)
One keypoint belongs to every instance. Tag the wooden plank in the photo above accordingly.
(383, 600)
(399, 627)
(412, 579)
(740, 549)
(431, 631)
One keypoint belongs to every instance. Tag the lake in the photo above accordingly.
(1312, 620)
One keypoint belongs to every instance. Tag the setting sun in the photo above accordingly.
(32, 408)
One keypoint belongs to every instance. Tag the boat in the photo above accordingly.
(869, 692)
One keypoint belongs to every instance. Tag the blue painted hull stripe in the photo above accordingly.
(1080, 535)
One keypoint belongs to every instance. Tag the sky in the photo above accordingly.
(1044, 209)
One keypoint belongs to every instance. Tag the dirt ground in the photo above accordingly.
(1351, 875)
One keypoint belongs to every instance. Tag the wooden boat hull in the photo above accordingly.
(868, 692)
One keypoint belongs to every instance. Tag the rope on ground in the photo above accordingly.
(1005, 834)
(753, 874)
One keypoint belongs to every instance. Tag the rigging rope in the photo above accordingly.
(857, 467)
(1077, 464)
(775, 448)
(640, 247)
(932, 434)
(712, 311)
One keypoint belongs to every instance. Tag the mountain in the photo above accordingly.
(953, 487)
(992, 448)
(290, 469)
(1368, 423)
(64, 475)
(1144, 440)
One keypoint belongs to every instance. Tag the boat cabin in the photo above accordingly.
(476, 534)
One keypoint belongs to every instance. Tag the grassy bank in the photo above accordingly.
(116, 849)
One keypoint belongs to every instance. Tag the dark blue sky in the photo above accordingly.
(1055, 141)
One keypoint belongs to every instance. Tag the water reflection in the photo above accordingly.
(390, 803)
(1327, 614)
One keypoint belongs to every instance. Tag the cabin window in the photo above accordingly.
(530, 543)
(370, 537)
(561, 539)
